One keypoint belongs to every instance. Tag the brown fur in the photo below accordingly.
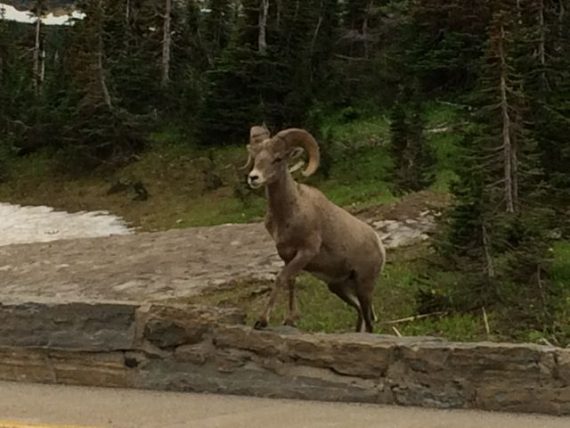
(312, 234)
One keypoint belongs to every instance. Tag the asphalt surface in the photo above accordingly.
(32, 405)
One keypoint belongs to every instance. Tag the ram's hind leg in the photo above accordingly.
(344, 291)
(367, 312)
(364, 293)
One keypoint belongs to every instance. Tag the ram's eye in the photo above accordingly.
(277, 160)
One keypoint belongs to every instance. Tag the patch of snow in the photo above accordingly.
(396, 234)
(10, 13)
(19, 224)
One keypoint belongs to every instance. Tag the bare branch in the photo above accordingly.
(414, 318)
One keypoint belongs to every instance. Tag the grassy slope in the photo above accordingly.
(172, 171)
(561, 279)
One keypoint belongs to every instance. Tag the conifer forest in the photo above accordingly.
(143, 108)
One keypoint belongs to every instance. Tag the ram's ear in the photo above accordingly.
(297, 166)
(296, 153)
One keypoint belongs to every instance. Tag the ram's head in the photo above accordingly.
(269, 156)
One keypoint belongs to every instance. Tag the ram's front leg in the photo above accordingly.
(284, 279)
(292, 311)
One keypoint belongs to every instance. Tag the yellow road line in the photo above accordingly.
(15, 424)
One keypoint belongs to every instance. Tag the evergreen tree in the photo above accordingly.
(546, 78)
(97, 130)
(274, 84)
(132, 37)
(497, 232)
(39, 9)
(446, 42)
(189, 61)
(218, 27)
(412, 157)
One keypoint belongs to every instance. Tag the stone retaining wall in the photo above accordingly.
(193, 348)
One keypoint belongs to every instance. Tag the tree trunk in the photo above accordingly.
(37, 82)
(541, 46)
(101, 74)
(42, 68)
(515, 162)
(127, 12)
(365, 28)
(316, 33)
(100, 68)
(278, 14)
(262, 37)
(490, 266)
(508, 154)
(166, 43)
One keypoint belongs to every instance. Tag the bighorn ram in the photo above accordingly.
(310, 232)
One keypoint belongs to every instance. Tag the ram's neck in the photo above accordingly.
(282, 197)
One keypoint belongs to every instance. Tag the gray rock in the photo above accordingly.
(168, 334)
(197, 348)
(80, 326)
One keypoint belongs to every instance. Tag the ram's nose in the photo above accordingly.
(254, 180)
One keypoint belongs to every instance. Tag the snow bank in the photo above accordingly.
(20, 224)
(10, 13)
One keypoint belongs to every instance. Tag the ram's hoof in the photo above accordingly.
(289, 322)
(260, 324)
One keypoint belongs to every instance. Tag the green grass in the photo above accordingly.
(560, 275)
(394, 299)
(444, 137)
(371, 128)
(172, 170)
(561, 264)
(322, 311)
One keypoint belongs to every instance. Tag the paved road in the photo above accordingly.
(29, 405)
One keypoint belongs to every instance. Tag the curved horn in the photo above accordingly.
(249, 163)
(257, 135)
(295, 137)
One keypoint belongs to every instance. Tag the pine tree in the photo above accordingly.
(546, 78)
(411, 154)
(184, 96)
(39, 9)
(166, 43)
(132, 36)
(218, 27)
(446, 42)
(273, 84)
(97, 130)
(497, 233)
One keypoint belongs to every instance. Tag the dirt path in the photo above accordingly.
(177, 263)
